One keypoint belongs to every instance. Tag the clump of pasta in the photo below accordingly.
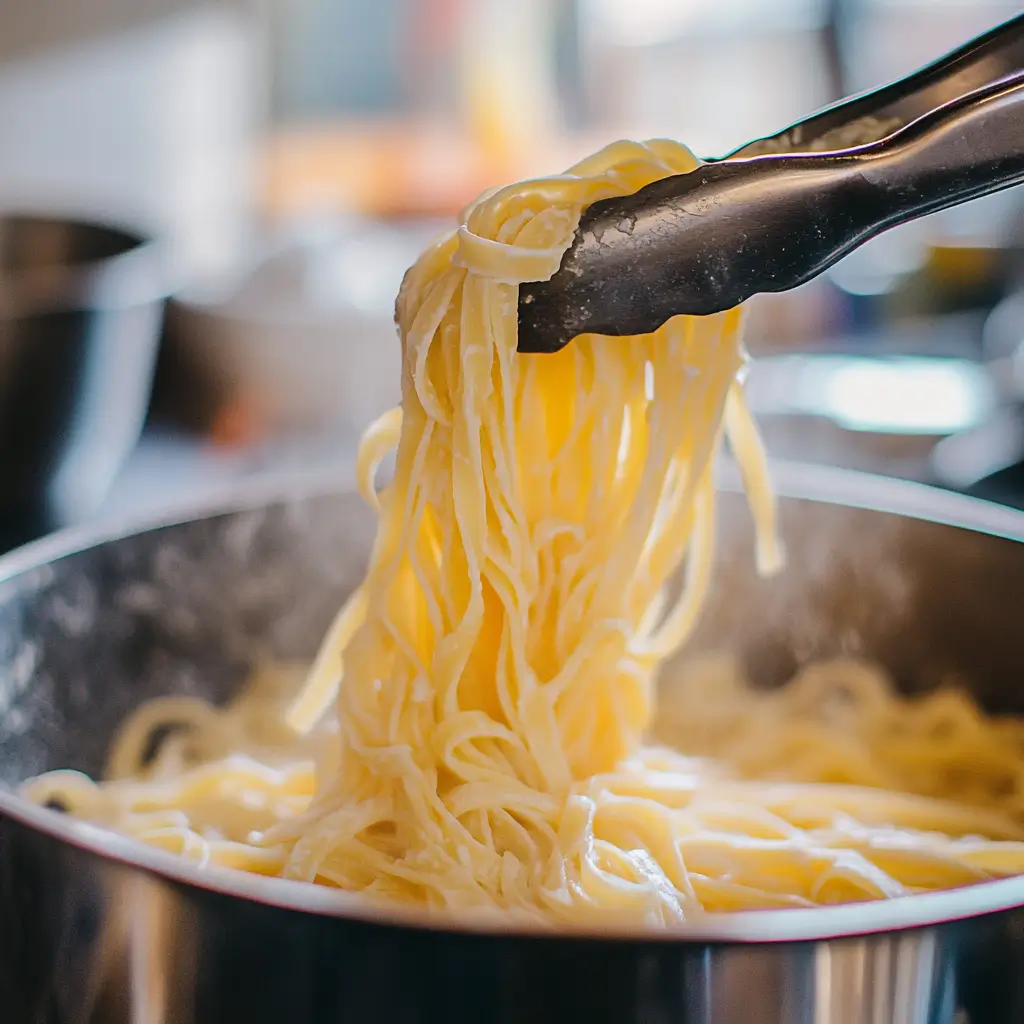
(472, 732)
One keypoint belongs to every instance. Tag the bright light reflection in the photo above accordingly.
(909, 396)
(900, 395)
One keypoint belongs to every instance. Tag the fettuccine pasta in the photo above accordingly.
(472, 732)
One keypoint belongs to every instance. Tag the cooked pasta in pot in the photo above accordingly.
(473, 733)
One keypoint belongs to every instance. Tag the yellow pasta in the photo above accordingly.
(486, 744)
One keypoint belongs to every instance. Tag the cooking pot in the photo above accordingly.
(95, 929)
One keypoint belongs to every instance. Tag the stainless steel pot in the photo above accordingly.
(96, 930)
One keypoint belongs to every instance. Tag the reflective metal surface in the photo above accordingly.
(81, 309)
(94, 930)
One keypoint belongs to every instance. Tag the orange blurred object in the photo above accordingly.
(379, 169)
(396, 169)
(238, 423)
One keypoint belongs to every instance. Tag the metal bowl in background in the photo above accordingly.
(95, 929)
(81, 307)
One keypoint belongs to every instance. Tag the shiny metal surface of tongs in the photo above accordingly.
(779, 211)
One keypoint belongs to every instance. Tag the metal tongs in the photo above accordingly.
(779, 211)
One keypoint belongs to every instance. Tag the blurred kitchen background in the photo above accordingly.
(271, 167)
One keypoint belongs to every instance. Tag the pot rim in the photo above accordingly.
(794, 481)
(137, 274)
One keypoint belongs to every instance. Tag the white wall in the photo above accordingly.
(153, 122)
